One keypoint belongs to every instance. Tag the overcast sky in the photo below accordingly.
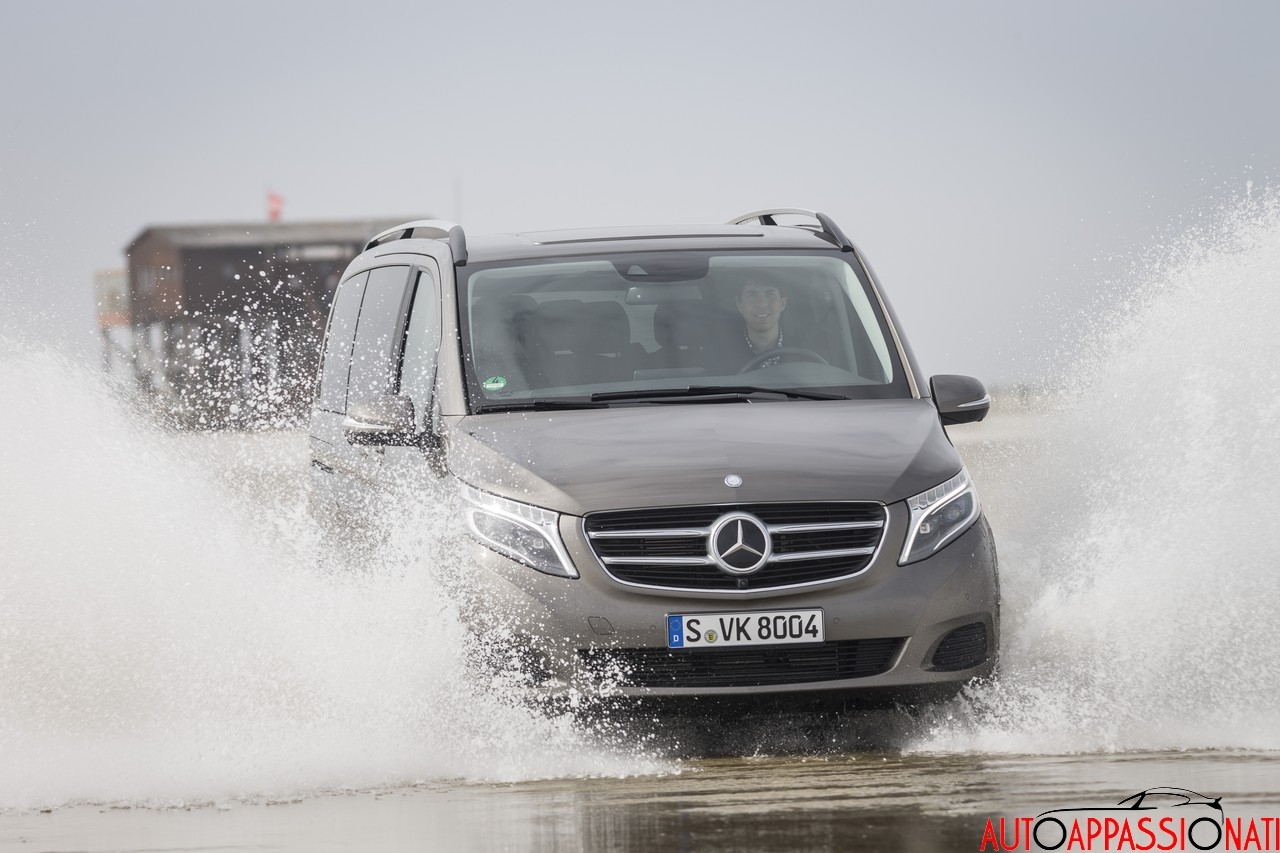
(997, 162)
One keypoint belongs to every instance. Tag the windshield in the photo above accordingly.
(624, 327)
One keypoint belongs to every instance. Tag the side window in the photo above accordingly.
(374, 359)
(421, 346)
(336, 362)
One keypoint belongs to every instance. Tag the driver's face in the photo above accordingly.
(761, 305)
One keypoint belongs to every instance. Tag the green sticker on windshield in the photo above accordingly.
(495, 383)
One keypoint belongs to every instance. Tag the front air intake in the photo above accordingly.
(963, 648)
(743, 667)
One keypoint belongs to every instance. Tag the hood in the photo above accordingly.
(582, 461)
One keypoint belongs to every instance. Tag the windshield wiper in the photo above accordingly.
(539, 406)
(732, 391)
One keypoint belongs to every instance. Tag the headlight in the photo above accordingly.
(940, 515)
(527, 534)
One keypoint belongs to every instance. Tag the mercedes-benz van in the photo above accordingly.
(692, 460)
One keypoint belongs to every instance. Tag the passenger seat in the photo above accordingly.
(582, 343)
(691, 335)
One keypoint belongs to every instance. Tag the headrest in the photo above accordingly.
(583, 328)
(607, 329)
(499, 316)
(687, 324)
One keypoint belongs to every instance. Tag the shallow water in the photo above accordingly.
(854, 801)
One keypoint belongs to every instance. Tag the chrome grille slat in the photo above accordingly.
(822, 528)
(657, 561)
(797, 556)
(678, 533)
(811, 543)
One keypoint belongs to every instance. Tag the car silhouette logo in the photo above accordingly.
(1202, 817)
(740, 544)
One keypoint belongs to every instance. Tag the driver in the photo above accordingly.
(761, 306)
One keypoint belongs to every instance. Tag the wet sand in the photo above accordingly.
(868, 801)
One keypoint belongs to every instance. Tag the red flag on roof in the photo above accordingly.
(275, 206)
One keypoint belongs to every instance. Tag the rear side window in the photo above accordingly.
(336, 364)
(375, 359)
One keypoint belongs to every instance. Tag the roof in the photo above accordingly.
(266, 233)
(533, 244)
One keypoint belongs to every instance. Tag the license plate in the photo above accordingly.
(753, 628)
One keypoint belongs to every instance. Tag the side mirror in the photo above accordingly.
(385, 419)
(960, 399)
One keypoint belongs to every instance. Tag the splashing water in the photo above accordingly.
(1140, 570)
(168, 632)
(166, 635)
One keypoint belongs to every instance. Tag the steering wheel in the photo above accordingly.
(786, 354)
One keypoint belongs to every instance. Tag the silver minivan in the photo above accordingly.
(692, 460)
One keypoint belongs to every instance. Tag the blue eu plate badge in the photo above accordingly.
(675, 632)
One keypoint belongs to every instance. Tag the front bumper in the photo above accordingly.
(892, 632)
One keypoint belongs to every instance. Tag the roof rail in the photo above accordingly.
(429, 229)
(829, 228)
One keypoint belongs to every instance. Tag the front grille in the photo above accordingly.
(742, 667)
(669, 547)
(963, 648)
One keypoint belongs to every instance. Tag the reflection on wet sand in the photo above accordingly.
(868, 801)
